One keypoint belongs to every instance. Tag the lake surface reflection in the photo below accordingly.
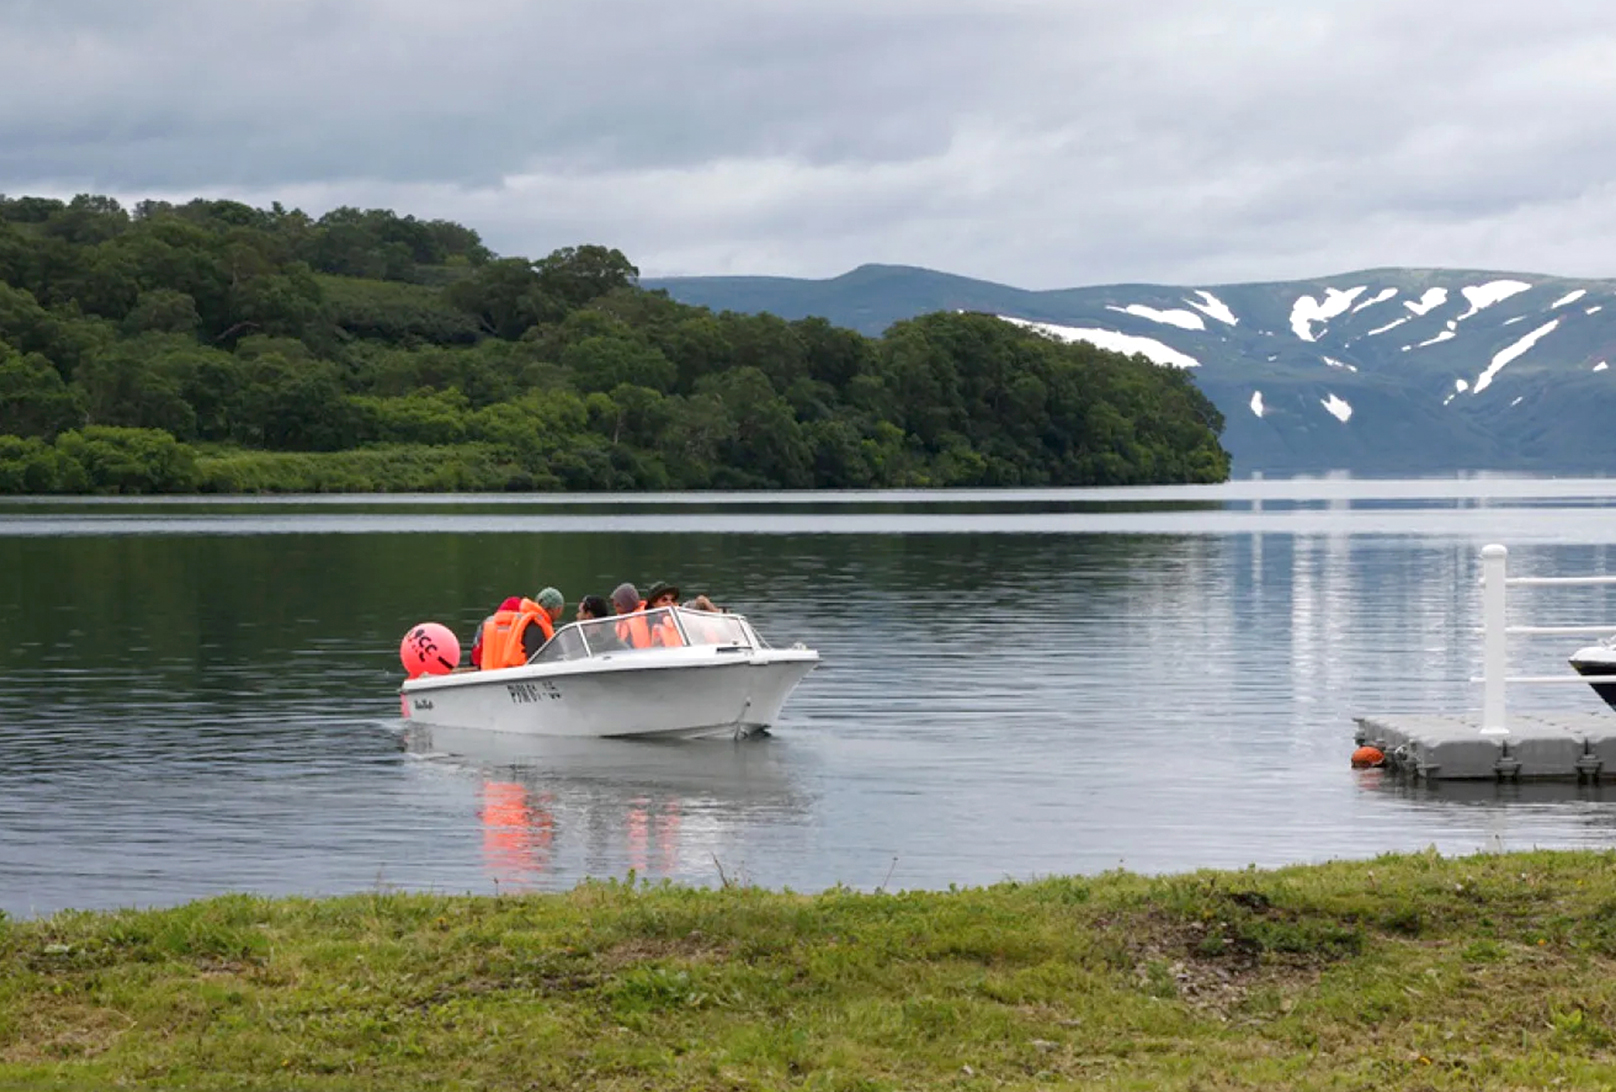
(201, 697)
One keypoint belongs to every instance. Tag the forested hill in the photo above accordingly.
(1381, 371)
(212, 346)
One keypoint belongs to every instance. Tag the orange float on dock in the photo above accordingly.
(1365, 757)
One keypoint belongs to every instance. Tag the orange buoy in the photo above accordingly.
(1365, 757)
(429, 649)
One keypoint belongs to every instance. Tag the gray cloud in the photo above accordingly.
(1040, 142)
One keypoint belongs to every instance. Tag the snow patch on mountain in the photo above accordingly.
(1337, 407)
(1601, 366)
(1569, 297)
(1445, 335)
(1213, 307)
(1308, 310)
(1256, 403)
(1460, 385)
(1379, 297)
(1483, 296)
(1513, 321)
(1433, 298)
(1389, 326)
(1334, 363)
(1504, 356)
(1595, 309)
(1152, 349)
(1184, 320)
(1518, 399)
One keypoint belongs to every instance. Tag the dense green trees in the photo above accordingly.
(220, 347)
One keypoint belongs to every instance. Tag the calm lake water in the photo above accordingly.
(200, 695)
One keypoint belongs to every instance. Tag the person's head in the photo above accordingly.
(626, 598)
(592, 606)
(662, 595)
(553, 603)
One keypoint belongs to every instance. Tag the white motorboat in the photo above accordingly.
(1598, 661)
(587, 681)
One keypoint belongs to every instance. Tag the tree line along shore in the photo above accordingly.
(1413, 971)
(216, 347)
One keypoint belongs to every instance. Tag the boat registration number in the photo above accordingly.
(528, 693)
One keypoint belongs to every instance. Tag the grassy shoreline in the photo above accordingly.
(1409, 971)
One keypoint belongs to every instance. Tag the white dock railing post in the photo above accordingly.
(1494, 666)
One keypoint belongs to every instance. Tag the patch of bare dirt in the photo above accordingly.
(1211, 967)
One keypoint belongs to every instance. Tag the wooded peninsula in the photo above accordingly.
(215, 347)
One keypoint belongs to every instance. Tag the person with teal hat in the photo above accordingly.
(509, 638)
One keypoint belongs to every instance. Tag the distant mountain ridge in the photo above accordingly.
(1392, 370)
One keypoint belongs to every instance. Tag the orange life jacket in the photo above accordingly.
(665, 632)
(502, 634)
(632, 629)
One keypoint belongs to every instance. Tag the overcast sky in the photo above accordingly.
(1043, 143)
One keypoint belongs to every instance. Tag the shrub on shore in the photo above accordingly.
(105, 460)
(419, 468)
(98, 459)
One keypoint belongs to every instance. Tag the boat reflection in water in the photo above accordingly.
(518, 833)
(553, 811)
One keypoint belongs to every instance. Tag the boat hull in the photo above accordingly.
(677, 693)
(1597, 660)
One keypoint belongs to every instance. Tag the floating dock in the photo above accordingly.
(1538, 746)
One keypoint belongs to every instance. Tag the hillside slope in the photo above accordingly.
(1378, 371)
(216, 347)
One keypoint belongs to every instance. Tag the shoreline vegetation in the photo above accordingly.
(214, 347)
(1407, 971)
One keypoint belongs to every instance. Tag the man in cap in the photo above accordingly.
(632, 629)
(667, 595)
(553, 605)
(664, 630)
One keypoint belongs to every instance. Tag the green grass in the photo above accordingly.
(1411, 971)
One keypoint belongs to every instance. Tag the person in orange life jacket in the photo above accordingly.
(664, 630)
(510, 638)
(511, 603)
(632, 629)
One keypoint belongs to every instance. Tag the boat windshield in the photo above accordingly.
(667, 627)
(567, 644)
(704, 627)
